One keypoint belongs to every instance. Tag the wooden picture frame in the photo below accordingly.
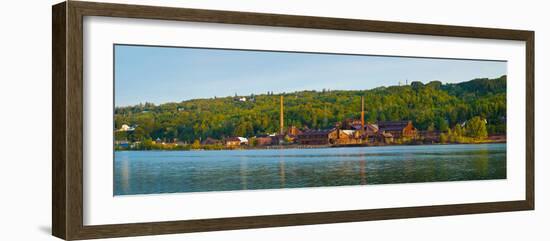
(67, 151)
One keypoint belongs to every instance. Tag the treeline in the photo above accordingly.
(432, 105)
(148, 144)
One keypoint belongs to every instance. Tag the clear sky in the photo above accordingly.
(168, 74)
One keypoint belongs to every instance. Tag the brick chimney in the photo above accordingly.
(362, 115)
(281, 121)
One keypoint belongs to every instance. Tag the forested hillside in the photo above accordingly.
(432, 104)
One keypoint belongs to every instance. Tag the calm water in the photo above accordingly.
(143, 172)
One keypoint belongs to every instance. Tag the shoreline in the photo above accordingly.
(297, 146)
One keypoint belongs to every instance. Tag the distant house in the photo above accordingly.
(386, 137)
(315, 137)
(232, 141)
(325, 137)
(264, 140)
(351, 123)
(244, 141)
(126, 127)
(398, 129)
(211, 141)
(277, 139)
(370, 132)
(294, 131)
(159, 141)
(351, 133)
(345, 137)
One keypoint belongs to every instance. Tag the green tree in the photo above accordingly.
(121, 136)
(441, 124)
(416, 85)
(171, 133)
(458, 131)
(476, 128)
(138, 134)
(196, 145)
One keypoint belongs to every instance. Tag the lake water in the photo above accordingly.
(146, 172)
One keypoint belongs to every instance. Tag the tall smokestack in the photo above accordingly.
(281, 121)
(362, 115)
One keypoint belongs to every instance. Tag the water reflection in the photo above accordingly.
(125, 172)
(482, 165)
(282, 170)
(363, 171)
(243, 173)
(138, 172)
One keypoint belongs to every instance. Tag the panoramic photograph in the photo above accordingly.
(202, 119)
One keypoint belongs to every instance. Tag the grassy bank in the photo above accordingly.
(195, 147)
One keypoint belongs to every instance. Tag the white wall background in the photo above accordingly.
(25, 119)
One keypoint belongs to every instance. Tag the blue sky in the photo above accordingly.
(168, 74)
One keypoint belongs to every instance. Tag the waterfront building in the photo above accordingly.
(232, 141)
(211, 141)
(398, 129)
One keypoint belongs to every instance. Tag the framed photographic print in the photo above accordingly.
(171, 120)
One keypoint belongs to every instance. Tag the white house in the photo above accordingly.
(243, 140)
(126, 128)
